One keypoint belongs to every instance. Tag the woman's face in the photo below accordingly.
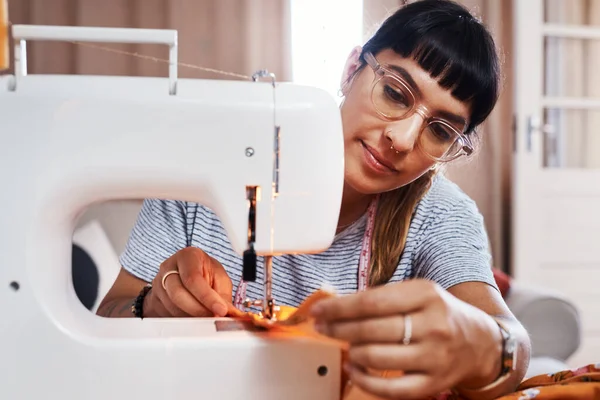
(372, 165)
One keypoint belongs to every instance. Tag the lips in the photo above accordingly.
(388, 165)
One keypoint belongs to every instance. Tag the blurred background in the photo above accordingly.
(535, 177)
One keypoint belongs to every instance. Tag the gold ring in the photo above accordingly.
(164, 278)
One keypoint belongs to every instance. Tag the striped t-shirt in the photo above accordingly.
(447, 243)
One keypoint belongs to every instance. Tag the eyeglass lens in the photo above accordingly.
(394, 100)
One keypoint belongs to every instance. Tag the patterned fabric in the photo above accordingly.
(577, 384)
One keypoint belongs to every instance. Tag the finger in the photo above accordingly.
(221, 282)
(373, 330)
(398, 298)
(179, 296)
(406, 387)
(168, 308)
(152, 306)
(160, 310)
(193, 267)
(232, 310)
(397, 357)
(162, 306)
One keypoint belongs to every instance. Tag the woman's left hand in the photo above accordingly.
(417, 327)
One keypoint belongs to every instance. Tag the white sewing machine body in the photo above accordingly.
(69, 141)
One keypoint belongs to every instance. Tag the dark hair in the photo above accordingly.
(458, 51)
(449, 43)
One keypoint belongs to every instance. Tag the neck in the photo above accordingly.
(354, 205)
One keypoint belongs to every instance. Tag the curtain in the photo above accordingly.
(230, 35)
(487, 178)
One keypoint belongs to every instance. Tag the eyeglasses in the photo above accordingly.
(394, 99)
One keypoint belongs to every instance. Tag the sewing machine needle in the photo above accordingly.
(268, 298)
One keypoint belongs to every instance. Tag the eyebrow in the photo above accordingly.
(404, 73)
(450, 117)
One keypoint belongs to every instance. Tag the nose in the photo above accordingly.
(403, 135)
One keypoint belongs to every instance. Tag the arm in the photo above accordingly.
(158, 233)
(489, 300)
(117, 302)
(437, 328)
(186, 282)
(451, 344)
(455, 254)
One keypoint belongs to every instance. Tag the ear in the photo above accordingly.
(352, 65)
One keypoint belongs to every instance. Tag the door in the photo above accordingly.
(556, 190)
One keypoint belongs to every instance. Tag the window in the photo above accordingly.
(323, 34)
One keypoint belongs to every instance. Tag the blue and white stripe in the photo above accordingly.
(446, 243)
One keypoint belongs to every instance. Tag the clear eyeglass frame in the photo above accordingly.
(462, 145)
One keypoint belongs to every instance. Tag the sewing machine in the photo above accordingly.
(266, 157)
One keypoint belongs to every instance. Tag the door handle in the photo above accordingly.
(534, 125)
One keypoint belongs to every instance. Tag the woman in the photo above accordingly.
(413, 96)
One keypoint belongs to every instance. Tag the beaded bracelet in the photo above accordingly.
(137, 308)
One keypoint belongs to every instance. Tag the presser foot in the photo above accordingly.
(269, 309)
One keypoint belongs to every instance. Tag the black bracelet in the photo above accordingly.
(137, 308)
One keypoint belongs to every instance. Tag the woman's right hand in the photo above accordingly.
(196, 286)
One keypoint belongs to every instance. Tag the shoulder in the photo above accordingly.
(162, 206)
(446, 240)
(443, 198)
(452, 245)
(446, 212)
(177, 208)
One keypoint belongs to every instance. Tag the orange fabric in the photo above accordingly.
(4, 59)
(295, 322)
(578, 384)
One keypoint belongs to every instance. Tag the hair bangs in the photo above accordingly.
(449, 44)
(450, 57)
(451, 72)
